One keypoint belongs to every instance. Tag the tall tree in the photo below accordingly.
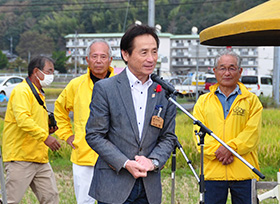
(60, 59)
(33, 43)
(59, 25)
(19, 64)
(3, 60)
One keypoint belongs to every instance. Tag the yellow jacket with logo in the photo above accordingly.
(76, 97)
(240, 130)
(25, 127)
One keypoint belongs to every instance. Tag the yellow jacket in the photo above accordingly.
(25, 127)
(240, 130)
(76, 97)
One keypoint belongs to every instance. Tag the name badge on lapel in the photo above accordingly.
(157, 121)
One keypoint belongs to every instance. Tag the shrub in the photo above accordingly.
(267, 102)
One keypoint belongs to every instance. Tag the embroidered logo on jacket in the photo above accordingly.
(238, 111)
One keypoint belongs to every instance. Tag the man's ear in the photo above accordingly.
(125, 55)
(240, 70)
(110, 60)
(37, 72)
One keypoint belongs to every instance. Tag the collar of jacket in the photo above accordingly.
(244, 90)
(111, 70)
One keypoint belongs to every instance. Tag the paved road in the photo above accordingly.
(50, 106)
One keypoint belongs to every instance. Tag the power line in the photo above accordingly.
(65, 3)
(101, 4)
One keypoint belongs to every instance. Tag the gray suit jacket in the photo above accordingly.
(112, 132)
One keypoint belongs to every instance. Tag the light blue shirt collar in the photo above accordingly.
(227, 101)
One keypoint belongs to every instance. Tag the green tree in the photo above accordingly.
(19, 65)
(60, 59)
(56, 20)
(58, 25)
(3, 60)
(33, 43)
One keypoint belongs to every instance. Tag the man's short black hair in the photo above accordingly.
(38, 62)
(134, 31)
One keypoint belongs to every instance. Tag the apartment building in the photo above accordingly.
(178, 54)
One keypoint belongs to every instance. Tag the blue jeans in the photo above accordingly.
(217, 192)
(137, 195)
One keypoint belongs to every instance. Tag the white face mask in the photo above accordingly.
(48, 79)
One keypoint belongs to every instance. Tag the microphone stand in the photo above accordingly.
(202, 132)
(173, 168)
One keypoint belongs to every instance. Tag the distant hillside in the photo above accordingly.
(33, 26)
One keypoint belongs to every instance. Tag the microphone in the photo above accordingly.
(164, 84)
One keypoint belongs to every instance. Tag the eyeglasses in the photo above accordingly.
(231, 69)
(47, 71)
(101, 57)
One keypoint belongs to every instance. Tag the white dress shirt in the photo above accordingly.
(139, 93)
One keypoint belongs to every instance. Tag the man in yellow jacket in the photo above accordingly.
(234, 115)
(26, 138)
(76, 97)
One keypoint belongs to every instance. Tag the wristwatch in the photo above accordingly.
(156, 164)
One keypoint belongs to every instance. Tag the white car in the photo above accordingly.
(261, 85)
(7, 83)
(188, 87)
(173, 80)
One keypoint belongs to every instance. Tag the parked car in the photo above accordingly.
(200, 78)
(184, 88)
(173, 80)
(258, 84)
(209, 81)
(188, 87)
(7, 83)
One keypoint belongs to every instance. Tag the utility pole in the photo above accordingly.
(194, 32)
(11, 46)
(276, 74)
(124, 24)
(28, 57)
(197, 61)
(151, 13)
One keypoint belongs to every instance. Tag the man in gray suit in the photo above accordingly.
(131, 126)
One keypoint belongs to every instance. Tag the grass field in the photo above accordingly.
(186, 191)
